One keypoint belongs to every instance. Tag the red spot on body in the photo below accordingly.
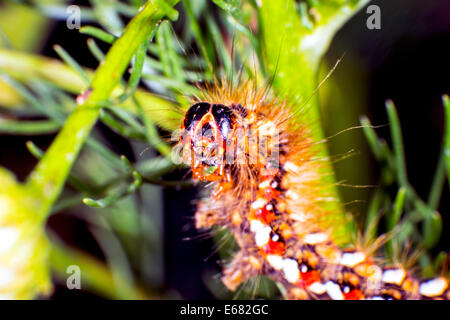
(264, 215)
(270, 193)
(354, 294)
(309, 277)
(273, 247)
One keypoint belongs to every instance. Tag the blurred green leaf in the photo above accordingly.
(28, 127)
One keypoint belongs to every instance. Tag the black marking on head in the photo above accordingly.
(195, 113)
(224, 118)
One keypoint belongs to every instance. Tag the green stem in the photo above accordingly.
(294, 50)
(292, 53)
(438, 182)
(28, 127)
(446, 102)
(397, 142)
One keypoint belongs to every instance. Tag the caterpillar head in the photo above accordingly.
(207, 133)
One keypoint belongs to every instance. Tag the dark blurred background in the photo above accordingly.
(406, 61)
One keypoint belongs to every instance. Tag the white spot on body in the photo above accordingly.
(290, 269)
(275, 261)
(433, 288)
(334, 291)
(262, 232)
(395, 276)
(259, 203)
(315, 238)
(352, 259)
(262, 236)
(317, 288)
(256, 225)
(265, 184)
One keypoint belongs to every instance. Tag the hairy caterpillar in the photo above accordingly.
(264, 174)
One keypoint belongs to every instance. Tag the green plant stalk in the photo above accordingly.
(393, 218)
(432, 226)
(293, 51)
(446, 102)
(373, 216)
(48, 178)
(98, 33)
(292, 54)
(28, 127)
(437, 186)
(400, 163)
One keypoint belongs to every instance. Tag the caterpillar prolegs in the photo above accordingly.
(266, 187)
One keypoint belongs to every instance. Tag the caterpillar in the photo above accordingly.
(263, 171)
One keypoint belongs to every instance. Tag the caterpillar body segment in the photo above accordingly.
(266, 186)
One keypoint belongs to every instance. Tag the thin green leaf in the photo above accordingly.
(28, 127)
(195, 28)
(136, 73)
(98, 33)
(120, 128)
(51, 172)
(115, 196)
(373, 215)
(95, 50)
(446, 102)
(67, 58)
(152, 135)
(224, 55)
(438, 182)
(394, 217)
(432, 229)
(397, 141)
(372, 138)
